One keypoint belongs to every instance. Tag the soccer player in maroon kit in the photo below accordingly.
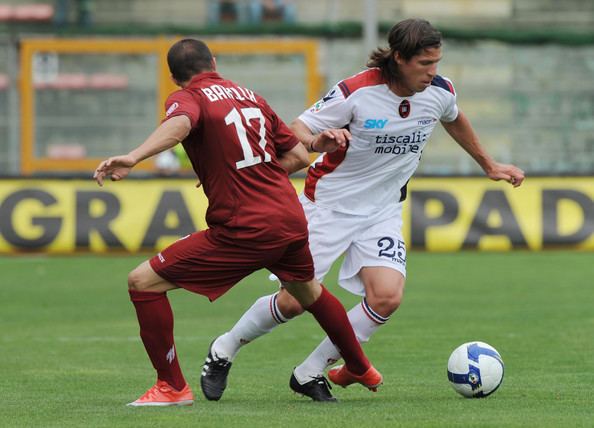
(241, 151)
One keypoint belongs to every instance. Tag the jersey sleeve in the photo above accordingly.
(182, 103)
(283, 137)
(332, 111)
(450, 111)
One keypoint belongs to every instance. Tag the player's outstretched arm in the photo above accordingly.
(167, 135)
(329, 140)
(295, 159)
(461, 131)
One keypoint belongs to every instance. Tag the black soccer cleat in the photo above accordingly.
(213, 379)
(318, 389)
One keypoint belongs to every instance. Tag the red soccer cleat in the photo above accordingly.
(161, 394)
(371, 379)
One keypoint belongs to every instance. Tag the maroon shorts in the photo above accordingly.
(205, 265)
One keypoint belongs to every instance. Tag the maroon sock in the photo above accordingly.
(332, 317)
(156, 331)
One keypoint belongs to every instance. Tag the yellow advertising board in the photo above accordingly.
(449, 214)
(75, 215)
(440, 214)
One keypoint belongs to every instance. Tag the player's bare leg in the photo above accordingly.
(148, 294)
(384, 289)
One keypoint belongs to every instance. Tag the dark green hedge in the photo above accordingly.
(565, 36)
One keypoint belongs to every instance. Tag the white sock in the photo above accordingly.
(258, 320)
(364, 321)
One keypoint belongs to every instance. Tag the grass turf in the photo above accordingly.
(71, 356)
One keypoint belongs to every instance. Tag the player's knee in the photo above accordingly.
(386, 301)
(288, 305)
(135, 280)
(384, 305)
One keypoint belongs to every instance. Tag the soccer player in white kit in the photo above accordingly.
(373, 128)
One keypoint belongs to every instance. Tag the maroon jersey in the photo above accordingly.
(233, 148)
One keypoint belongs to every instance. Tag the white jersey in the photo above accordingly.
(389, 134)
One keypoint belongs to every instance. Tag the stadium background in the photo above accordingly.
(82, 80)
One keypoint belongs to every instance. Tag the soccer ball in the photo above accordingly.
(475, 369)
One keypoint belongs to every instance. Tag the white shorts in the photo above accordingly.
(365, 241)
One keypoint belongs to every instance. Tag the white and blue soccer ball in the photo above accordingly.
(475, 369)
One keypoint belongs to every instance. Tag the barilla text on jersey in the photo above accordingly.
(218, 92)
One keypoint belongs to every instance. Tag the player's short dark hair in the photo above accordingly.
(187, 58)
(409, 37)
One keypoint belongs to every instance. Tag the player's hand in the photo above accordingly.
(330, 140)
(510, 173)
(116, 167)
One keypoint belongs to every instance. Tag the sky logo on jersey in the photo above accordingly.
(375, 123)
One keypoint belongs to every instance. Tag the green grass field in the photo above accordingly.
(71, 356)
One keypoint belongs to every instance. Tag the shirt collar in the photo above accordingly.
(207, 75)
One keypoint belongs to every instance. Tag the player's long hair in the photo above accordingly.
(409, 37)
(187, 58)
